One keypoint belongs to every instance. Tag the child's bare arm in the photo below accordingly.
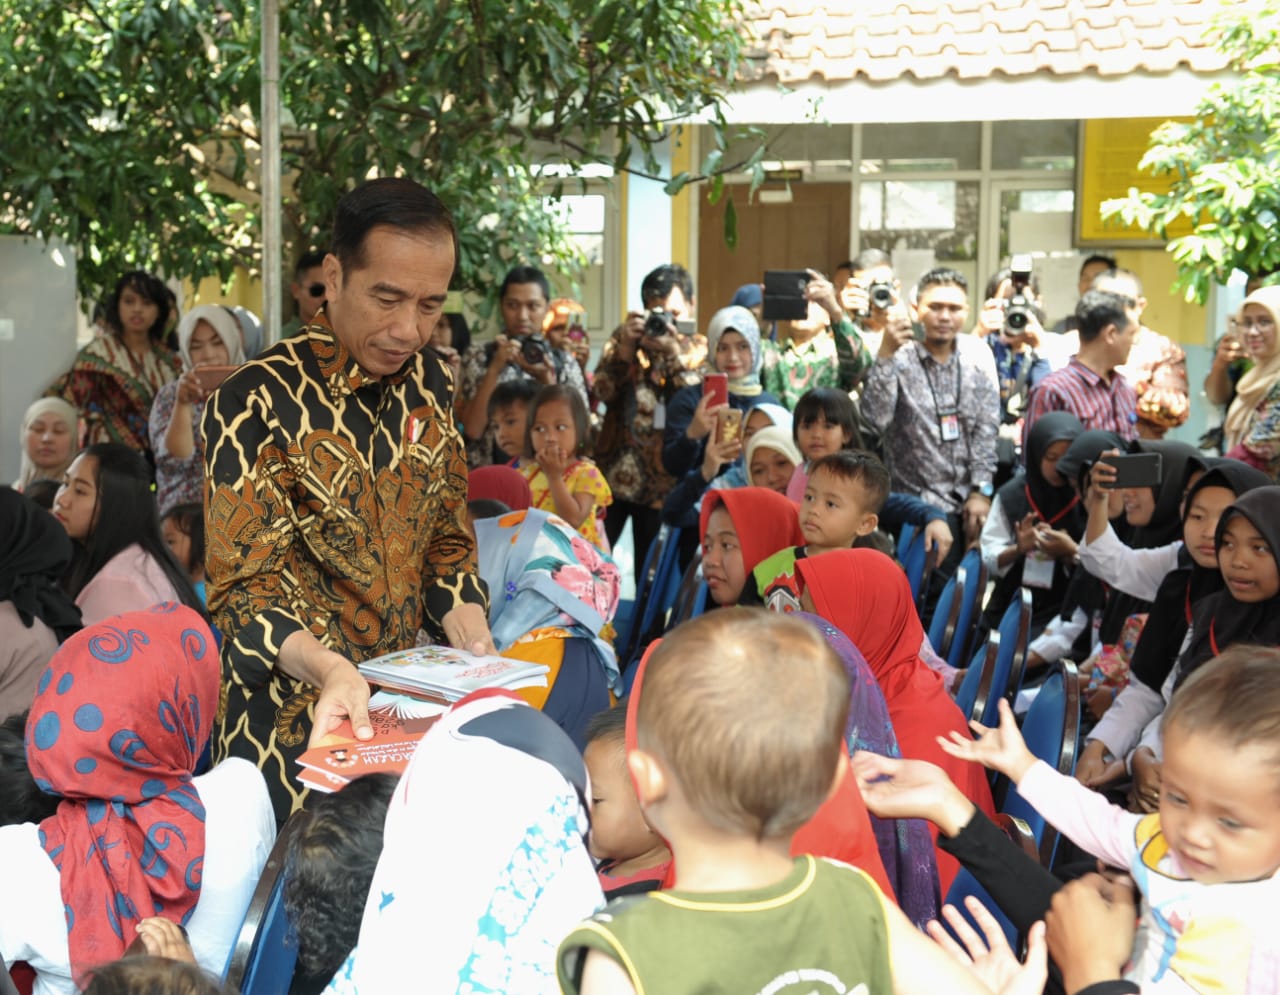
(1001, 748)
(602, 975)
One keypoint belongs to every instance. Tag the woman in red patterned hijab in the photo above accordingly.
(119, 720)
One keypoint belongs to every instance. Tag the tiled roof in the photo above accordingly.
(882, 40)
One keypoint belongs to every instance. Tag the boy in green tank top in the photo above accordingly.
(726, 774)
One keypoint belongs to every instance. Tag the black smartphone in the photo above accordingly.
(1136, 470)
(784, 294)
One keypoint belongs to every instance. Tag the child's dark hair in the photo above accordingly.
(42, 492)
(511, 392)
(125, 513)
(147, 975)
(577, 406)
(1235, 698)
(611, 724)
(329, 868)
(835, 406)
(857, 467)
(189, 520)
(487, 508)
(20, 799)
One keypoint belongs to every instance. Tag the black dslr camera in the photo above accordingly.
(534, 349)
(657, 323)
(1019, 311)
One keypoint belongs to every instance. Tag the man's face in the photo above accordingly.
(1089, 273)
(386, 310)
(1121, 341)
(308, 292)
(524, 305)
(674, 304)
(943, 311)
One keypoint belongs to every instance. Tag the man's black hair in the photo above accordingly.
(1099, 308)
(1096, 258)
(308, 260)
(519, 275)
(657, 286)
(389, 202)
(870, 259)
(942, 276)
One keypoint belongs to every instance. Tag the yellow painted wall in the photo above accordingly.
(682, 203)
(245, 291)
(1166, 311)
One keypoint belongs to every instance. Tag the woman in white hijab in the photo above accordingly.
(1251, 432)
(484, 866)
(208, 335)
(50, 441)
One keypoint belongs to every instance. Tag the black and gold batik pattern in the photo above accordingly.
(335, 503)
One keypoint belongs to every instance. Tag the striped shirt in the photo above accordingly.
(1107, 407)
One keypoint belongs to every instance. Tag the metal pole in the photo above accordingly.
(272, 275)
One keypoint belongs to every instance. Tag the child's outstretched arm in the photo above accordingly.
(1002, 748)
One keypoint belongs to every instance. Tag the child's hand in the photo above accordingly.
(1026, 535)
(163, 938)
(1055, 543)
(937, 541)
(988, 957)
(911, 789)
(553, 460)
(1001, 748)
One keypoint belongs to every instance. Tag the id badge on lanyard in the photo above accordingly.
(949, 424)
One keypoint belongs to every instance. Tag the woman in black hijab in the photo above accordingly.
(36, 614)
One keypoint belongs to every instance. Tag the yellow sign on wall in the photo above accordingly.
(1106, 167)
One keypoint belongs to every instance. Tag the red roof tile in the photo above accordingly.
(881, 40)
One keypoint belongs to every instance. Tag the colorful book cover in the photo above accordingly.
(398, 726)
(446, 674)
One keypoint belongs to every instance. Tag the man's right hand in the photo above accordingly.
(505, 350)
(896, 335)
(344, 694)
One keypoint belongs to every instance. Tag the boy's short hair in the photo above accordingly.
(856, 467)
(148, 975)
(1097, 309)
(487, 508)
(21, 800)
(611, 724)
(510, 392)
(834, 406)
(747, 710)
(330, 866)
(577, 407)
(1235, 698)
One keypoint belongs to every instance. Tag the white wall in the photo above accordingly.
(37, 332)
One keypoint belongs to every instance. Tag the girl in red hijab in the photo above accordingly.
(866, 595)
(740, 528)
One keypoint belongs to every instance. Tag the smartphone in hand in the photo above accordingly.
(715, 387)
(211, 377)
(1136, 470)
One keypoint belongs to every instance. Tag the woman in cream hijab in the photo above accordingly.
(50, 441)
(1251, 432)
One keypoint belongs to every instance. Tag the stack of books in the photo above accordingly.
(440, 673)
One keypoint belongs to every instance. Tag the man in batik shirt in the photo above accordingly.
(336, 492)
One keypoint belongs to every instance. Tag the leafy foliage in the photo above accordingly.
(130, 127)
(1224, 166)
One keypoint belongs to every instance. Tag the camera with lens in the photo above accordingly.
(1019, 311)
(657, 323)
(533, 348)
(880, 294)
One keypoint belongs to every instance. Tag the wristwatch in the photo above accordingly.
(986, 490)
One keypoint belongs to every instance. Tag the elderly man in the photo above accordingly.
(336, 492)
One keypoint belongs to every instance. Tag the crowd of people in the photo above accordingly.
(206, 536)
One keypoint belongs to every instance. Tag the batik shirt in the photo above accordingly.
(907, 396)
(836, 359)
(336, 504)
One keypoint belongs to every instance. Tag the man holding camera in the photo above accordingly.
(872, 295)
(822, 349)
(521, 352)
(1090, 386)
(1010, 321)
(937, 404)
(646, 360)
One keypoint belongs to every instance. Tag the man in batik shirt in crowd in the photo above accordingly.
(336, 491)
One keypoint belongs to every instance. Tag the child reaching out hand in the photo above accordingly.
(1206, 861)
(560, 479)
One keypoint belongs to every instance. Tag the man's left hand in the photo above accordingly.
(467, 627)
(974, 515)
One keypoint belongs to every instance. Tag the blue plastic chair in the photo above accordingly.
(981, 668)
(962, 886)
(970, 594)
(657, 590)
(944, 613)
(1052, 732)
(691, 599)
(265, 952)
(1006, 675)
(911, 554)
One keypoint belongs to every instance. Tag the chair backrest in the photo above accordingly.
(687, 595)
(980, 673)
(912, 556)
(944, 613)
(1052, 732)
(1016, 627)
(266, 948)
(965, 884)
(655, 591)
(969, 598)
